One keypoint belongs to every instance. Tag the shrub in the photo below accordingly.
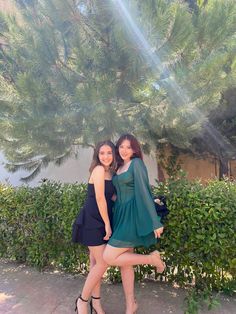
(198, 243)
(36, 225)
(199, 238)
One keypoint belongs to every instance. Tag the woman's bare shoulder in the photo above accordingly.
(98, 171)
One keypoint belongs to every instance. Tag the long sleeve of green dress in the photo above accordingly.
(146, 218)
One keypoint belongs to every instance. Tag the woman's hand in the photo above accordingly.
(108, 232)
(158, 232)
(158, 201)
(113, 198)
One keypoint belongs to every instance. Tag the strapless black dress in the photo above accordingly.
(89, 228)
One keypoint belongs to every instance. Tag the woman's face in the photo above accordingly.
(125, 150)
(105, 155)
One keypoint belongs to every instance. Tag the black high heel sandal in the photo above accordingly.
(91, 304)
(76, 307)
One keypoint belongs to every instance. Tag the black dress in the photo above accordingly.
(89, 228)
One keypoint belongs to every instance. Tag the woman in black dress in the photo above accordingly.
(93, 224)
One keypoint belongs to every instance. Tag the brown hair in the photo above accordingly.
(96, 160)
(134, 143)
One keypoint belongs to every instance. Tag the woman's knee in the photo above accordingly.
(108, 258)
(102, 264)
(99, 261)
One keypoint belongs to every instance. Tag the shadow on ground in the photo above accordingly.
(24, 290)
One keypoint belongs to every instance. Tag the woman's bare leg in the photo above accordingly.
(94, 277)
(127, 275)
(97, 290)
(123, 257)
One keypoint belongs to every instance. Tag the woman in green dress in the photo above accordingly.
(135, 222)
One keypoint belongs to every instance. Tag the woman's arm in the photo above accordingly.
(146, 213)
(98, 177)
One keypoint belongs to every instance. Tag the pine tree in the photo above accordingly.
(74, 72)
(176, 103)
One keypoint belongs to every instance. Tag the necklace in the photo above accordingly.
(124, 167)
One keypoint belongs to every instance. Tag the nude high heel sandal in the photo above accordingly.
(92, 309)
(76, 306)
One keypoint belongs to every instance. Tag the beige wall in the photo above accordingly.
(197, 167)
(232, 168)
(72, 170)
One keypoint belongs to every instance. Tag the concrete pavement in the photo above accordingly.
(24, 290)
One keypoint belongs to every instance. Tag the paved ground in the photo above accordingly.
(24, 290)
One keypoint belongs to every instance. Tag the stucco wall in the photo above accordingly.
(232, 167)
(72, 170)
(199, 168)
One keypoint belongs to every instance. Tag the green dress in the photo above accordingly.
(134, 214)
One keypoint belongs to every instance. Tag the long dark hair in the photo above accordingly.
(96, 160)
(134, 143)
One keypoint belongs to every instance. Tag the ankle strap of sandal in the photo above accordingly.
(82, 299)
(95, 298)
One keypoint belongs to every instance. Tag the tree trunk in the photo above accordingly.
(223, 168)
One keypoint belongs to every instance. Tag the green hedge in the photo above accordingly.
(198, 244)
(36, 225)
(199, 240)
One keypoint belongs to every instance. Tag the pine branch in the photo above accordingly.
(32, 175)
(78, 17)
